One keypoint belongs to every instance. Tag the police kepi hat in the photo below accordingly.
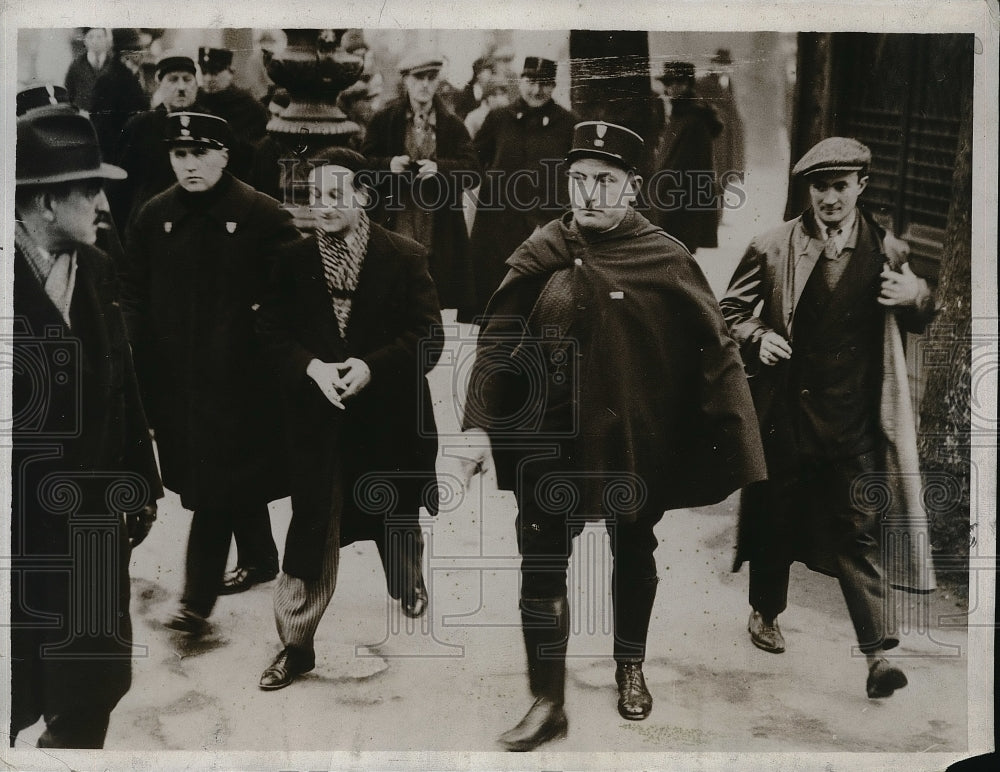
(40, 96)
(536, 68)
(184, 128)
(213, 60)
(173, 62)
(834, 154)
(56, 143)
(608, 141)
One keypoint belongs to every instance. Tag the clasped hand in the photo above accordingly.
(339, 380)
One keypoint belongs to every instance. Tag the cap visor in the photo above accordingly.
(573, 155)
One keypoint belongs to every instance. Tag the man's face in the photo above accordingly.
(675, 88)
(198, 168)
(179, 89)
(96, 41)
(600, 193)
(334, 200)
(834, 195)
(75, 215)
(485, 76)
(421, 87)
(535, 93)
(216, 81)
(499, 99)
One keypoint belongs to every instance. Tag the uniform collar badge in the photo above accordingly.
(167, 227)
(231, 227)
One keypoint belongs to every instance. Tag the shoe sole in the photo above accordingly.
(634, 716)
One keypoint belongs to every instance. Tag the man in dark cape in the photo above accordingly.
(610, 390)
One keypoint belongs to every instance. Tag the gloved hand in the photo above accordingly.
(139, 523)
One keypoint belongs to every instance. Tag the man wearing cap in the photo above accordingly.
(140, 149)
(425, 158)
(198, 259)
(246, 116)
(118, 92)
(474, 92)
(829, 382)
(83, 475)
(609, 389)
(684, 190)
(521, 147)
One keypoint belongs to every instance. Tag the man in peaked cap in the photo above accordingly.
(198, 259)
(645, 408)
(118, 92)
(520, 147)
(78, 426)
(140, 150)
(246, 116)
(829, 381)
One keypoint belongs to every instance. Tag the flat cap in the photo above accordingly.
(185, 128)
(213, 60)
(607, 141)
(126, 39)
(39, 96)
(173, 62)
(537, 68)
(420, 61)
(834, 154)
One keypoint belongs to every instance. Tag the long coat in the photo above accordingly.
(768, 273)
(376, 458)
(81, 457)
(728, 150)
(117, 96)
(611, 348)
(683, 191)
(197, 266)
(458, 170)
(516, 140)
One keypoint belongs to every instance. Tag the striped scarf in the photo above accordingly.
(342, 259)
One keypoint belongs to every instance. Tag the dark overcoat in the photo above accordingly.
(728, 150)
(620, 333)
(197, 266)
(117, 96)
(458, 171)
(772, 276)
(683, 191)
(520, 192)
(81, 458)
(376, 458)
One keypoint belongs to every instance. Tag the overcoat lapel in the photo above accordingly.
(316, 295)
(372, 279)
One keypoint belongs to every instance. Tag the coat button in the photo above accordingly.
(578, 261)
(805, 393)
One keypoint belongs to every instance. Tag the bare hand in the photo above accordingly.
(399, 164)
(901, 288)
(327, 377)
(773, 347)
(354, 376)
(428, 168)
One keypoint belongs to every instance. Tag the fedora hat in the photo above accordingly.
(58, 144)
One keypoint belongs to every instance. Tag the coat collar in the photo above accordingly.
(233, 206)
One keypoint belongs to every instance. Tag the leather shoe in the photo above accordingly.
(287, 666)
(884, 679)
(241, 579)
(415, 601)
(190, 622)
(765, 635)
(544, 721)
(634, 700)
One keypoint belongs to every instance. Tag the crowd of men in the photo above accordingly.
(275, 350)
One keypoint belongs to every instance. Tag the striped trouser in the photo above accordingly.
(299, 604)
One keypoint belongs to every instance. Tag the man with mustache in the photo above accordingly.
(829, 381)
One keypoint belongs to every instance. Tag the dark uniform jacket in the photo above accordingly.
(81, 458)
(197, 265)
(683, 191)
(619, 340)
(450, 264)
(842, 393)
(376, 458)
(514, 140)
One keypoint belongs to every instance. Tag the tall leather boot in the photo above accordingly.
(545, 625)
(633, 606)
